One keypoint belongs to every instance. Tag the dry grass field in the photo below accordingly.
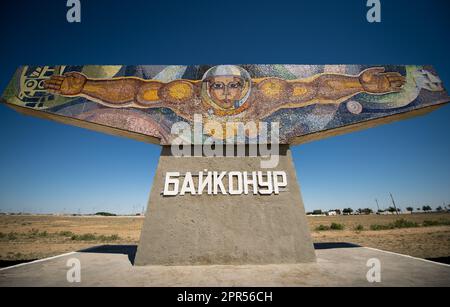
(423, 242)
(426, 235)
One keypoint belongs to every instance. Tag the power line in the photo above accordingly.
(393, 202)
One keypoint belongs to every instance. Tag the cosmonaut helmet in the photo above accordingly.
(226, 71)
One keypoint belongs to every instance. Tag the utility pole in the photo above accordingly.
(393, 202)
(378, 207)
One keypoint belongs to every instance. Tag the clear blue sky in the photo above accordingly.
(50, 167)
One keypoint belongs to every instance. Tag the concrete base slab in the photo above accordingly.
(337, 265)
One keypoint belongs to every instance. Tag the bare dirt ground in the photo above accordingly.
(24, 237)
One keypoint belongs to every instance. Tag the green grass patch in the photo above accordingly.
(333, 226)
(337, 226)
(358, 227)
(322, 227)
(401, 223)
(84, 237)
(65, 233)
(379, 227)
(93, 237)
(35, 234)
(428, 223)
(12, 236)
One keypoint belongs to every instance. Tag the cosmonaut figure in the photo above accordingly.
(226, 92)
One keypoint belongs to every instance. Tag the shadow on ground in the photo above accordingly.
(7, 263)
(329, 245)
(130, 250)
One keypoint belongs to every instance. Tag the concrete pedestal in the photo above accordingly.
(224, 229)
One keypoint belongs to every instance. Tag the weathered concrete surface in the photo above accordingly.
(334, 267)
(224, 229)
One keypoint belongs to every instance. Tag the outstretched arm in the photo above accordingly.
(328, 88)
(123, 91)
(116, 92)
(335, 88)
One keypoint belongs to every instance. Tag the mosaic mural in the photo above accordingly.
(303, 99)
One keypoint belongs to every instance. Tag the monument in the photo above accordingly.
(225, 190)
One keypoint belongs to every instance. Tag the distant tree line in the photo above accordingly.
(391, 209)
